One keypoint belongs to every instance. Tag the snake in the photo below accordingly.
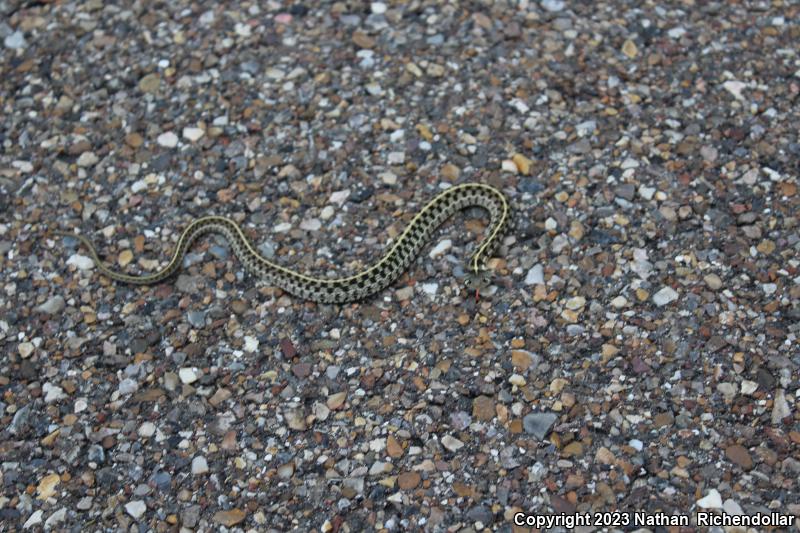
(397, 258)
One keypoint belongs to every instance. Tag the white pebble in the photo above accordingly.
(397, 135)
(676, 33)
(25, 349)
(136, 509)
(586, 128)
(636, 444)
(665, 296)
(397, 158)
(379, 8)
(326, 213)
(147, 429)
(168, 140)
(199, 465)
(88, 159)
(81, 262)
(509, 166)
(127, 386)
(769, 288)
(193, 134)
(553, 5)
(712, 501)
(452, 443)
(748, 387)
(52, 393)
(138, 186)
(339, 197)
(535, 275)
(430, 288)
(780, 408)
(36, 518)
(188, 375)
(22, 166)
(15, 41)
(646, 192)
(440, 248)
(732, 508)
(619, 302)
(735, 88)
(283, 227)
(80, 405)
(312, 224)
(250, 344)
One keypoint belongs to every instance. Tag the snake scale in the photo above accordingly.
(351, 288)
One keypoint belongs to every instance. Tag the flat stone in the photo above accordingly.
(739, 455)
(136, 509)
(539, 424)
(665, 296)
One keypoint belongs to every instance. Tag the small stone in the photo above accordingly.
(136, 509)
(25, 349)
(738, 454)
(523, 164)
(483, 408)
(396, 158)
(735, 88)
(538, 424)
(33, 520)
(149, 83)
(47, 486)
(450, 172)
(286, 471)
(147, 429)
(199, 465)
(52, 306)
(517, 380)
(87, 159)
(780, 408)
(193, 134)
(189, 375)
(748, 387)
(629, 49)
(312, 224)
(508, 166)
(378, 8)
(15, 41)
(229, 518)
(712, 500)
(52, 393)
(732, 508)
(576, 303)
(408, 480)
(124, 258)
(619, 302)
(452, 443)
(443, 246)
(535, 275)
(665, 296)
(523, 359)
(336, 400)
(553, 6)
(167, 140)
(713, 281)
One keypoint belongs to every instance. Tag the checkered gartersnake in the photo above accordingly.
(351, 288)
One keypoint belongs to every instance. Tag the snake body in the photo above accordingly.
(347, 289)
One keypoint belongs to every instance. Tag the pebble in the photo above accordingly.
(87, 159)
(136, 508)
(199, 466)
(189, 375)
(440, 248)
(451, 443)
(81, 262)
(665, 296)
(539, 424)
(15, 41)
(35, 518)
(147, 430)
(535, 275)
(192, 134)
(712, 500)
(167, 140)
(25, 349)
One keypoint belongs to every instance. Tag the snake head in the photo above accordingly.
(477, 281)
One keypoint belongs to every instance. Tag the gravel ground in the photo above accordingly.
(638, 350)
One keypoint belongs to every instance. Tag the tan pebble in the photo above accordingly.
(522, 163)
(629, 49)
(393, 447)
(604, 456)
(125, 257)
(522, 359)
(335, 401)
(450, 172)
(229, 518)
(408, 480)
(766, 247)
(576, 230)
(713, 281)
(573, 449)
(557, 385)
